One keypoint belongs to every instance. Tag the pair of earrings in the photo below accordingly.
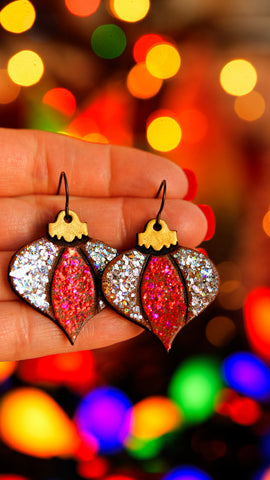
(70, 277)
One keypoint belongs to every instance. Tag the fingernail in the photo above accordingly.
(211, 220)
(192, 184)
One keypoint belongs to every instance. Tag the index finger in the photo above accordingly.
(31, 162)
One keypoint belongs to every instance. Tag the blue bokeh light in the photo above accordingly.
(186, 472)
(248, 375)
(105, 414)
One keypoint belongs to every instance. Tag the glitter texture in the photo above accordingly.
(201, 277)
(65, 289)
(163, 298)
(99, 254)
(29, 272)
(73, 292)
(120, 284)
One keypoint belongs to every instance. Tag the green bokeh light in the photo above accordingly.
(195, 387)
(108, 41)
(144, 449)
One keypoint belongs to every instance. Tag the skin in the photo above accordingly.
(111, 188)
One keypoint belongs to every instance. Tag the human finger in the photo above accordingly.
(114, 221)
(31, 162)
(25, 333)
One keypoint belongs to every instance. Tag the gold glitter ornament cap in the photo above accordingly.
(157, 235)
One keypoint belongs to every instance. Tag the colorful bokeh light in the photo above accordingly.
(33, 423)
(194, 125)
(154, 416)
(256, 316)
(61, 99)
(141, 83)
(130, 10)
(11, 476)
(245, 411)
(265, 475)
(76, 370)
(144, 449)
(186, 472)
(163, 133)
(119, 477)
(6, 369)
(163, 60)
(95, 137)
(82, 8)
(108, 41)
(97, 467)
(195, 387)
(143, 44)
(250, 107)
(248, 375)
(105, 415)
(25, 68)
(241, 410)
(238, 77)
(266, 223)
(18, 16)
(9, 91)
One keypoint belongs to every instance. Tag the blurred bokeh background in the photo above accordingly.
(189, 79)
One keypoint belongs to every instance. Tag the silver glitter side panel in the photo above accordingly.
(30, 272)
(201, 277)
(120, 284)
(99, 255)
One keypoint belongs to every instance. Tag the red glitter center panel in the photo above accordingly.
(163, 298)
(73, 292)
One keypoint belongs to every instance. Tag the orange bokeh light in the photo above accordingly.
(256, 315)
(61, 99)
(155, 416)
(141, 83)
(82, 8)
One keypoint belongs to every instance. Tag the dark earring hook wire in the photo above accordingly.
(163, 186)
(63, 176)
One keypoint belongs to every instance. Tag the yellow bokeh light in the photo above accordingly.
(18, 16)
(130, 10)
(266, 223)
(163, 60)
(155, 416)
(33, 423)
(250, 107)
(141, 83)
(9, 91)
(238, 77)
(25, 68)
(164, 133)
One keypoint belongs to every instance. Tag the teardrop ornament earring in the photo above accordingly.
(59, 275)
(160, 285)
